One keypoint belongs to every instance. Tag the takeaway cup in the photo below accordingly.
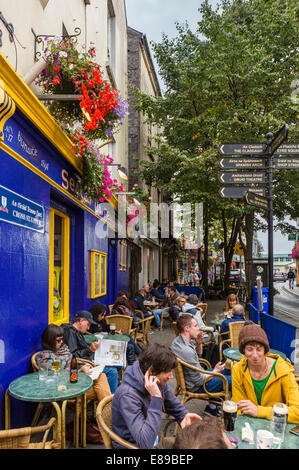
(266, 440)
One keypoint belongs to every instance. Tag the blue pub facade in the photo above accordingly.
(56, 256)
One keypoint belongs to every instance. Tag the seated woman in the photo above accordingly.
(231, 301)
(261, 379)
(98, 312)
(54, 349)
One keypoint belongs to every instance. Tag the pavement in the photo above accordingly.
(294, 291)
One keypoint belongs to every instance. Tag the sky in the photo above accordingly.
(154, 17)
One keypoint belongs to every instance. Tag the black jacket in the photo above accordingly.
(139, 303)
(76, 342)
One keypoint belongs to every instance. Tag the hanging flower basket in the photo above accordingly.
(98, 113)
(68, 71)
(295, 251)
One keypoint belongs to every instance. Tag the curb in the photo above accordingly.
(290, 292)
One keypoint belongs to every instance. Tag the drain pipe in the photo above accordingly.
(34, 71)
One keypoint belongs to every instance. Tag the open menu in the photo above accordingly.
(111, 353)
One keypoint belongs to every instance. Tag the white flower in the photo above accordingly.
(63, 54)
(71, 66)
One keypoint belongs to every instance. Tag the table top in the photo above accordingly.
(217, 321)
(30, 388)
(290, 441)
(234, 354)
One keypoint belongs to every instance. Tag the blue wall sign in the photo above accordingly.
(18, 210)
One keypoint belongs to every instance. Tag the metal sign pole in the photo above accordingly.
(269, 137)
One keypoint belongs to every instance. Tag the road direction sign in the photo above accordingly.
(238, 192)
(256, 200)
(279, 138)
(257, 149)
(286, 163)
(242, 163)
(241, 177)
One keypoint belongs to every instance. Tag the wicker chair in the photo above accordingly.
(173, 324)
(122, 323)
(103, 416)
(139, 313)
(181, 388)
(110, 307)
(232, 341)
(163, 316)
(20, 438)
(142, 337)
(204, 308)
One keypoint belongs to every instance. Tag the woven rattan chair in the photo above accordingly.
(20, 438)
(110, 307)
(164, 314)
(139, 313)
(142, 337)
(181, 388)
(122, 323)
(232, 341)
(175, 328)
(204, 308)
(103, 416)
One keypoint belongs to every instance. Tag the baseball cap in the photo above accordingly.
(87, 315)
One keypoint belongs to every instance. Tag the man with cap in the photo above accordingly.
(261, 379)
(74, 338)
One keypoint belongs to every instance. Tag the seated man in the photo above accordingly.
(187, 346)
(238, 314)
(139, 299)
(73, 337)
(140, 400)
(208, 433)
(261, 379)
(156, 290)
(176, 309)
(191, 307)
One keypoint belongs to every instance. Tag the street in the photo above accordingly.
(286, 303)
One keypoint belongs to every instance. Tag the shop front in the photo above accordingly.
(58, 252)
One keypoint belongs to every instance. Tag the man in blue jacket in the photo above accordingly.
(140, 400)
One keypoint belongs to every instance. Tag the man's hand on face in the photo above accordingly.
(189, 419)
(151, 384)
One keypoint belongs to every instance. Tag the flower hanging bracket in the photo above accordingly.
(40, 39)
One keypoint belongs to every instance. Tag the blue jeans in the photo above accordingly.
(112, 377)
(291, 283)
(215, 384)
(132, 349)
(157, 314)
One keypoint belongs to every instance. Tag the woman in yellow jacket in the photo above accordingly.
(261, 379)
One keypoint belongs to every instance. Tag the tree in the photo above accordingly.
(234, 85)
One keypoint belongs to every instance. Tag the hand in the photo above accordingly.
(189, 419)
(219, 367)
(151, 384)
(247, 408)
(94, 346)
(200, 337)
(86, 369)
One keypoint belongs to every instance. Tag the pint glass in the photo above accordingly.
(229, 415)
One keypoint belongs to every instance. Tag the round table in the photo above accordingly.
(234, 354)
(30, 388)
(290, 440)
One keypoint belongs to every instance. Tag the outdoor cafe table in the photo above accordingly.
(290, 440)
(30, 388)
(90, 338)
(234, 354)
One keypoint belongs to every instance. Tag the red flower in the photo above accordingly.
(56, 80)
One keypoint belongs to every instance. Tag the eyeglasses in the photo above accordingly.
(59, 340)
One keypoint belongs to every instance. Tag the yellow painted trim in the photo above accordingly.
(7, 109)
(65, 247)
(28, 103)
(42, 175)
(100, 254)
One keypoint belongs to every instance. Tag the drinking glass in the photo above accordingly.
(229, 414)
(279, 417)
(43, 371)
(112, 328)
(56, 366)
(63, 380)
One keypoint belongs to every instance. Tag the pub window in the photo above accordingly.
(98, 274)
(123, 256)
(59, 267)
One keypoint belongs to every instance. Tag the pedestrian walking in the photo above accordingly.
(291, 278)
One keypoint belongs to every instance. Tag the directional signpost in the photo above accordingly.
(242, 163)
(241, 177)
(254, 199)
(238, 192)
(260, 159)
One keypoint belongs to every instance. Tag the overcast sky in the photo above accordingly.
(154, 17)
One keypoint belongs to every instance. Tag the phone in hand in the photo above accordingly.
(295, 430)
